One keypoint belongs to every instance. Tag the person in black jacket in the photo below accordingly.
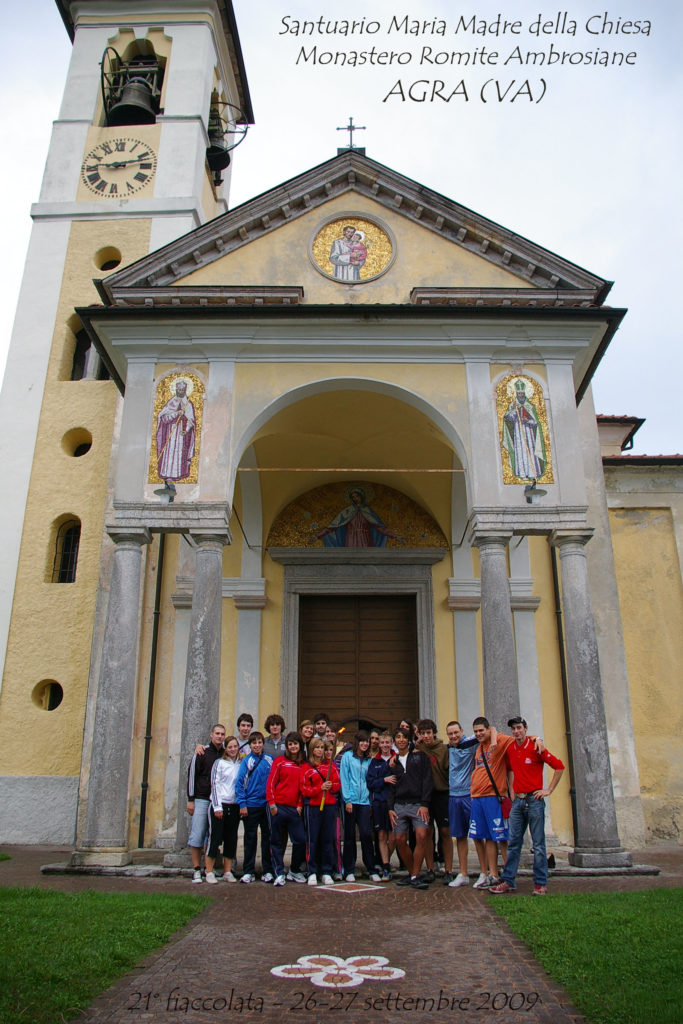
(199, 796)
(408, 802)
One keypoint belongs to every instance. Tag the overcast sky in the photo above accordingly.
(591, 170)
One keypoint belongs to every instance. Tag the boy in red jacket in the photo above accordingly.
(525, 767)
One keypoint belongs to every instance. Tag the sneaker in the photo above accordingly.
(196, 876)
(447, 878)
(267, 877)
(210, 878)
(482, 882)
(385, 876)
(428, 876)
(439, 867)
(248, 879)
(404, 881)
(328, 880)
(228, 876)
(418, 883)
(350, 878)
(337, 877)
(494, 880)
(312, 879)
(280, 880)
(461, 880)
(540, 890)
(296, 876)
(501, 889)
(374, 877)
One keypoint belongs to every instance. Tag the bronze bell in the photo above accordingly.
(217, 153)
(135, 105)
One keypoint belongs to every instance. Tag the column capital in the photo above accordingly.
(565, 538)
(492, 538)
(129, 535)
(208, 540)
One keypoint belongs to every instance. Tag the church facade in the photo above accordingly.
(331, 450)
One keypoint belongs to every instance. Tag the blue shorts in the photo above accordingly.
(486, 821)
(459, 815)
(199, 829)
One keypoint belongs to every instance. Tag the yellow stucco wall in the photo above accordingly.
(51, 625)
(423, 259)
(651, 599)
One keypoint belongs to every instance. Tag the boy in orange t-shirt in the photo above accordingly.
(487, 824)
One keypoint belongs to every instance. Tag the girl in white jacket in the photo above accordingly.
(224, 812)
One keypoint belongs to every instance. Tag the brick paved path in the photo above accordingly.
(461, 962)
(450, 944)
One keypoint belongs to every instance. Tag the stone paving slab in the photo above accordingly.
(459, 962)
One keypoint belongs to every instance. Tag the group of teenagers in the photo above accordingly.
(405, 791)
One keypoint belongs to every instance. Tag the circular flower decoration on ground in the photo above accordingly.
(327, 971)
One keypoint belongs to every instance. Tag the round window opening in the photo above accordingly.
(47, 695)
(107, 258)
(77, 442)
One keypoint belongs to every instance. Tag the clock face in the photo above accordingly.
(116, 168)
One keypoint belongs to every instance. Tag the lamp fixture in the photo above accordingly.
(533, 493)
(167, 493)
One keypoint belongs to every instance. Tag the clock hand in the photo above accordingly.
(122, 163)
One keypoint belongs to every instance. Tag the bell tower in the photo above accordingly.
(156, 98)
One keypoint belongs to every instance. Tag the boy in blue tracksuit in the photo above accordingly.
(380, 778)
(250, 793)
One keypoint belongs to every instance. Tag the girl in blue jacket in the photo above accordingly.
(356, 804)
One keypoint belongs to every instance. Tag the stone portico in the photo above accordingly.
(321, 383)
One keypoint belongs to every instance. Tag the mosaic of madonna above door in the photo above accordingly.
(355, 515)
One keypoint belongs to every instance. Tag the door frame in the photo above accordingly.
(352, 572)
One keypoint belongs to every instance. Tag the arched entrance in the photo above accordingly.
(358, 614)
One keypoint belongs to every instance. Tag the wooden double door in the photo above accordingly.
(358, 660)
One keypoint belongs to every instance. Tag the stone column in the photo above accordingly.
(106, 830)
(501, 695)
(597, 838)
(202, 679)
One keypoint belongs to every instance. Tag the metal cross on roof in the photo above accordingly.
(351, 128)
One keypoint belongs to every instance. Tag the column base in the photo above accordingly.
(593, 857)
(114, 857)
(178, 859)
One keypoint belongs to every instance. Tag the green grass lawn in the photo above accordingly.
(59, 950)
(4, 856)
(618, 955)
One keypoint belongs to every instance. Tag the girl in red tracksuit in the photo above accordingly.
(285, 803)
(320, 784)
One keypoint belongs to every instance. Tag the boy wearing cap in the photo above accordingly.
(525, 778)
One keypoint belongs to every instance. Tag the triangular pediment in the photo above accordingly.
(260, 252)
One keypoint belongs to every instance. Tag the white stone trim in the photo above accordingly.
(245, 593)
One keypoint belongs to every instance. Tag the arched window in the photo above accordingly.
(67, 541)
